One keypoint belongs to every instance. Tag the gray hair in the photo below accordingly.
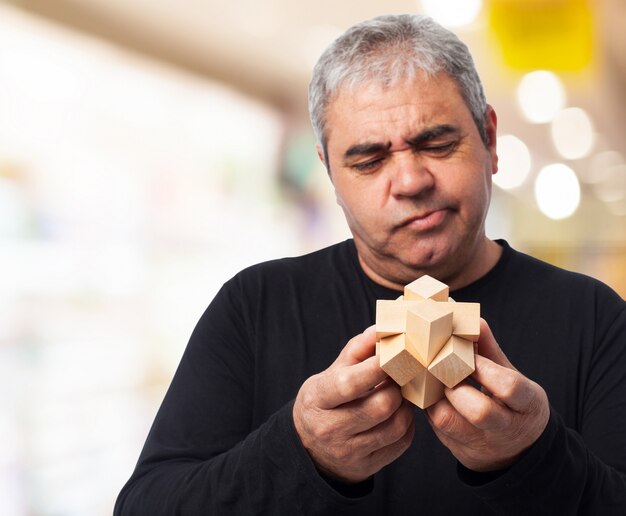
(388, 48)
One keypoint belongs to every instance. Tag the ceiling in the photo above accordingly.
(266, 49)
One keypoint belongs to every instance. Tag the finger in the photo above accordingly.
(397, 428)
(378, 406)
(337, 386)
(478, 409)
(489, 347)
(390, 453)
(445, 419)
(507, 385)
(359, 348)
(451, 428)
(369, 463)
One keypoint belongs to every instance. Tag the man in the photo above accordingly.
(280, 407)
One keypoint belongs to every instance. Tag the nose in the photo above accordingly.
(410, 175)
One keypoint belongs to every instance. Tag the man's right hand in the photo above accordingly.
(351, 418)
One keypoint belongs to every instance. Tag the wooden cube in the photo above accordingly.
(391, 316)
(398, 359)
(454, 362)
(425, 340)
(465, 319)
(428, 328)
(423, 390)
(426, 287)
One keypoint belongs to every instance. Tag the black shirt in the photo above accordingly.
(223, 441)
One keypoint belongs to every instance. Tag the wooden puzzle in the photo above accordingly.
(426, 340)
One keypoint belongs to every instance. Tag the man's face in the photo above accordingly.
(412, 176)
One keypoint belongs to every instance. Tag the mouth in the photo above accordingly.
(426, 221)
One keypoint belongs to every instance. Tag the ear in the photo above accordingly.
(491, 126)
(320, 154)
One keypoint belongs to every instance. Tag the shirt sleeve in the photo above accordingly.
(203, 454)
(568, 471)
(558, 475)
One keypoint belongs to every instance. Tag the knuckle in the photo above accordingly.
(379, 440)
(391, 433)
(538, 401)
(444, 420)
(511, 384)
(399, 427)
(482, 415)
(324, 431)
(343, 383)
(307, 396)
(344, 453)
(383, 405)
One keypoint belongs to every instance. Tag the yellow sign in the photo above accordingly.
(543, 34)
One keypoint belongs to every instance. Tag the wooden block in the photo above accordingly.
(426, 287)
(377, 348)
(398, 359)
(454, 362)
(428, 328)
(391, 316)
(465, 319)
(423, 390)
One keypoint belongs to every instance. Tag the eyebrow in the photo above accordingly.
(431, 133)
(363, 149)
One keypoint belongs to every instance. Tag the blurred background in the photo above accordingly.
(151, 149)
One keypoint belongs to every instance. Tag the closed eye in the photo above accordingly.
(441, 150)
(367, 166)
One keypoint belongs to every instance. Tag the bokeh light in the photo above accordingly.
(541, 96)
(599, 165)
(557, 191)
(572, 133)
(612, 186)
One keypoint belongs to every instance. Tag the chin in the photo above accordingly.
(425, 252)
(433, 260)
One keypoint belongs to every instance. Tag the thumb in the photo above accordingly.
(489, 348)
(359, 348)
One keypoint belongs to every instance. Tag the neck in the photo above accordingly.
(486, 255)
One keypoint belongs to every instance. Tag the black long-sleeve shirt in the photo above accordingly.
(223, 441)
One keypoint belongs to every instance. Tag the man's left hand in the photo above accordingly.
(489, 429)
